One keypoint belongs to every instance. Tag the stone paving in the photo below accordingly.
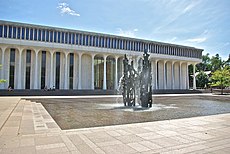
(26, 127)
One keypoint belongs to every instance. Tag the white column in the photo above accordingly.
(116, 82)
(19, 84)
(92, 83)
(180, 81)
(156, 75)
(66, 71)
(2, 67)
(187, 76)
(153, 76)
(36, 70)
(172, 74)
(104, 79)
(51, 70)
(194, 77)
(79, 70)
(164, 73)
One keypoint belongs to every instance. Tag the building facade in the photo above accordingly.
(34, 56)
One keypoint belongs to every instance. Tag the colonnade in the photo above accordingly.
(35, 68)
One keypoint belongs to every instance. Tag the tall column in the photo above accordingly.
(187, 76)
(156, 80)
(164, 73)
(116, 82)
(79, 70)
(51, 70)
(2, 67)
(92, 83)
(194, 76)
(66, 71)
(19, 84)
(153, 76)
(36, 70)
(173, 74)
(104, 79)
(180, 81)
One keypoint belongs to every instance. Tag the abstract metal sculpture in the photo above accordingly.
(131, 79)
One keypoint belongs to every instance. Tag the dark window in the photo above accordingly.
(5, 31)
(102, 41)
(86, 39)
(19, 33)
(73, 38)
(57, 81)
(55, 36)
(69, 38)
(66, 38)
(23, 33)
(27, 33)
(76, 39)
(43, 35)
(39, 35)
(47, 36)
(10, 32)
(99, 41)
(28, 66)
(108, 42)
(96, 39)
(80, 39)
(14, 32)
(71, 68)
(12, 68)
(1, 30)
(83, 39)
(62, 37)
(59, 37)
(35, 34)
(51, 36)
(90, 40)
(31, 34)
(43, 70)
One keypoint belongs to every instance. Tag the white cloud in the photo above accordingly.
(128, 33)
(197, 40)
(173, 39)
(65, 9)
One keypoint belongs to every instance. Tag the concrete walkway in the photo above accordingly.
(26, 127)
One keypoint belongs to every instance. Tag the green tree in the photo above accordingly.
(202, 79)
(2, 80)
(216, 63)
(205, 65)
(221, 78)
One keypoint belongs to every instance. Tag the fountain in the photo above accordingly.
(133, 81)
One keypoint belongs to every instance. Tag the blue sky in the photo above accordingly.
(200, 23)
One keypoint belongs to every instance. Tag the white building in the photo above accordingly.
(35, 56)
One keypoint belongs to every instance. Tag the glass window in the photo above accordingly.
(91, 43)
(35, 34)
(55, 36)
(80, 39)
(96, 41)
(14, 32)
(12, 67)
(71, 69)
(5, 31)
(76, 39)
(27, 33)
(1, 30)
(57, 81)
(43, 70)
(66, 38)
(86, 40)
(10, 32)
(59, 37)
(31, 34)
(51, 36)
(28, 66)
(102, 41)
(73, 38)
(47, 36)
(83, 39)
(70, 38)
(23, 33)
(39, 35)
(99, 41)
(108, 41)
(62, 37)
(43, 35)
(19, 33)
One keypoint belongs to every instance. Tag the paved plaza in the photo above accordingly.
(26, 127)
